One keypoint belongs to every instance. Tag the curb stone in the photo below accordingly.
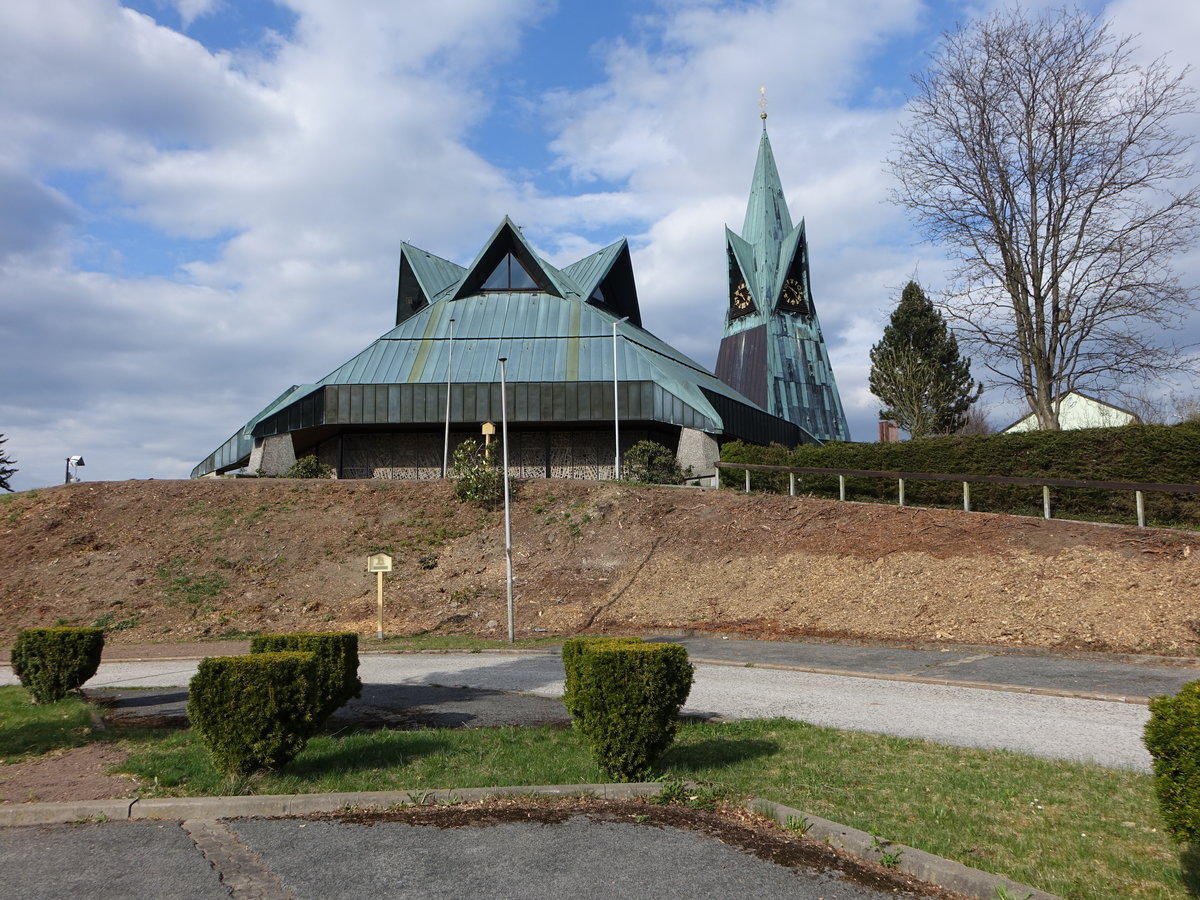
(917, 863)
(211, 808)
(925, 866)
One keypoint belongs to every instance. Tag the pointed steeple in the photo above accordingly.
(767, 213)
(773, 350)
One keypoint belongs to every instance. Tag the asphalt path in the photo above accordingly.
(1103, 732)
(322, 860)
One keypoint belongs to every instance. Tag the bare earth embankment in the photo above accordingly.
(181, 560)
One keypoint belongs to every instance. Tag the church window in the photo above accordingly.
(510, 275)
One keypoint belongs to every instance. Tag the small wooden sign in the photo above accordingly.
(379, 562)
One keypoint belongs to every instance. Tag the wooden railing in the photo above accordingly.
(1139, 489)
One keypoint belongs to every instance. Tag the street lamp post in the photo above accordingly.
(616, 407)
(446, 445)
(507, 513)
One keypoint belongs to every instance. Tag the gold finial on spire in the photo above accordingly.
(762, 103)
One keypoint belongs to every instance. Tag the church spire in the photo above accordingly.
(767, 220)
(773, 350)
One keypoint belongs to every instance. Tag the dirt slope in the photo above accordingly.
(171, 560)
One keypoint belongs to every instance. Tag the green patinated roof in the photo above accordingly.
(559, 333)
(434, 273)
(588, 272)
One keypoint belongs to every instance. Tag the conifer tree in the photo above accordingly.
(916, 370)
(7, 469)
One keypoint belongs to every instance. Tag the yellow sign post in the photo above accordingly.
(379, 563)
(488, 429)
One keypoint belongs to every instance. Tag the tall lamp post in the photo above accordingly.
(446, 445)
(616, 407)
(507, 515)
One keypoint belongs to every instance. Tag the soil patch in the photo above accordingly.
(80, 773)
(219, 558)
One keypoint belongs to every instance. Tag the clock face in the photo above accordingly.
(793, 293)
(741, 298)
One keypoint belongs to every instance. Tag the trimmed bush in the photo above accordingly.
(625, 700)
(337, 662)
(53, 662)
(572, 652)
(1173, 738)
(255, 712)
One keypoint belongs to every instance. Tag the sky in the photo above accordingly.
(202, 201)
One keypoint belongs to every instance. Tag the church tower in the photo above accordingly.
(773, 351)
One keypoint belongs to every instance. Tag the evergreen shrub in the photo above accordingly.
(1173, 738)
(337, 662)
(52, 662)
(626, 700)
(572, 652)
(257, 711)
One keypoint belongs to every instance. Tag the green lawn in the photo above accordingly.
(27, 730)
(1079, 831)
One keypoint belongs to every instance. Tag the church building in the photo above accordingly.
(574, 344)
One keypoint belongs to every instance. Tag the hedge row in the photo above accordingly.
(624, 696)
(53, 662)
(1163, 454)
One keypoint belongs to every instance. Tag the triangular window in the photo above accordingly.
(510, 275)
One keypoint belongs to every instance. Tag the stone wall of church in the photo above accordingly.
(532, 454)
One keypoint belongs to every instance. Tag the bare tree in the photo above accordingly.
(976, 422)
(1045, 159)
